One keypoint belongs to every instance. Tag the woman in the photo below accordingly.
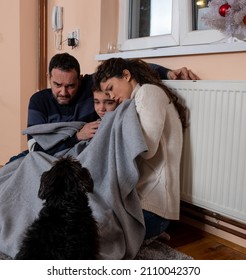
(161, 118)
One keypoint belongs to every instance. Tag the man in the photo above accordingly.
(69, 99)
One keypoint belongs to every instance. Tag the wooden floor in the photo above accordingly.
(201, 245)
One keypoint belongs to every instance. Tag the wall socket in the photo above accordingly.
(73, 38)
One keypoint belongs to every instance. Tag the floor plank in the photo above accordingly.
(199, 245)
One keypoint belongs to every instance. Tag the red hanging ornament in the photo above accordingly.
(223, 9)
(244, 20)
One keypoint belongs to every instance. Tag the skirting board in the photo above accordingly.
(215, 224)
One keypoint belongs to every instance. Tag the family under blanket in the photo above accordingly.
(147, 124)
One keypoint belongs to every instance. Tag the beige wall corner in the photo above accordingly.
(17, 72)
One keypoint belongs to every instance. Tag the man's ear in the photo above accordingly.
(48, 76)
(127, 75)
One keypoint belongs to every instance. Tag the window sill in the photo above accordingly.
(178, 51)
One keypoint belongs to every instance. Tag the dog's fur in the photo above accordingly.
(65, 228)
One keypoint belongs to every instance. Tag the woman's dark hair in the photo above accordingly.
(141, 72)
(64, 62)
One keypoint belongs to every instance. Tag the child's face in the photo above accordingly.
(103, 103)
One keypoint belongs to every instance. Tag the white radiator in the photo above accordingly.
(213, 168)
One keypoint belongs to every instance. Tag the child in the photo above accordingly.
(103, 103)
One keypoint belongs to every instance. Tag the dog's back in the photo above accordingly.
(65, 228)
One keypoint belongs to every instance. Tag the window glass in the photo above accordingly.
(149, 18)
(199, 8)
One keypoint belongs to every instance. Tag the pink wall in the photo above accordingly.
(18, 75)
(83, 15)
(227, 66)
(97, 21)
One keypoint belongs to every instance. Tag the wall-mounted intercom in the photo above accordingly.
(57, 25)
(57, 22)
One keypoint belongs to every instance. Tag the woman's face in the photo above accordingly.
(119, 89)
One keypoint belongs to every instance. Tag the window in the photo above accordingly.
(146, 24)
(139, 37)
(192, 31)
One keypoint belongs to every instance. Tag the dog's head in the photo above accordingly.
(66, 177)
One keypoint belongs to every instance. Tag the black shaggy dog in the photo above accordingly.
(65, 228)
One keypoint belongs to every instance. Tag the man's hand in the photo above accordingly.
(182, 74)
(88, 130)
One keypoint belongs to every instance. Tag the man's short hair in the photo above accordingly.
(64, 62)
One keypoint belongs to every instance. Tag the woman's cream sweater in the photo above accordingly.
(159, 167)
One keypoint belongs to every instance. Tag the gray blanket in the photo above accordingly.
(110, 157)
(56, 133)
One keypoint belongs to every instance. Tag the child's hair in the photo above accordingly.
(141, 72)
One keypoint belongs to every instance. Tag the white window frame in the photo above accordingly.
(125, 44)
(182, 40)
(188, 36)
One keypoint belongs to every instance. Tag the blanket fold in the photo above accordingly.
(110, 158)
(56, 132)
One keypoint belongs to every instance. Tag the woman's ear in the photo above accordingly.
(127, 75)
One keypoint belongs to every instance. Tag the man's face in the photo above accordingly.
(64, 85)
